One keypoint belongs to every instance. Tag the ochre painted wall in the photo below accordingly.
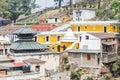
(95, 28)
(41, 39)
(53, 38)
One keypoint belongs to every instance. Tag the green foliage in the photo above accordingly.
(67, 67)
(65, 59)
(27, 23)
(115, 8)
(108, 76)
(118, 60)
(74, 75)
(13, 8)
(89, 78)
(115, 67)
(99, 12)
(112, 11)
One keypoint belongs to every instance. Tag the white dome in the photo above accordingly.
(69, 36)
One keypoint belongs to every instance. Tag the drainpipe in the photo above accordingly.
(101, 55)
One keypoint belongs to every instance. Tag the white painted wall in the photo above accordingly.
(53, 20)
(52, 61)
(85, 15)
(93, 42)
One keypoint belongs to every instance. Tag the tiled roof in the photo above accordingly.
(33, 61)
(25, 30)
(7, 29)
(18, 64)
(27, 45)
(43, 27)
(12, 64)
(104, 35)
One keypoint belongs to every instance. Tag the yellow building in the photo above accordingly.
(65, 37)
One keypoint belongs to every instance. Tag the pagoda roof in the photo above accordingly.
(27, 45)
(24, 30)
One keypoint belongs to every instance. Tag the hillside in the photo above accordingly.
(102, 11)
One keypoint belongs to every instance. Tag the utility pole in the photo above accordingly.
(45, 10)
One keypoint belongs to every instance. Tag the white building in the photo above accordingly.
(95, 51)
(85, 14)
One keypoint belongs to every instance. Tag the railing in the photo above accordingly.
(107, 58)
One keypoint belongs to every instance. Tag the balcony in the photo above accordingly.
(107, 58)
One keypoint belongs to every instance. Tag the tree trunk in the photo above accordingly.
(99, 3)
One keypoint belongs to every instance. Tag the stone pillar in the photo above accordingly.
(3, 49)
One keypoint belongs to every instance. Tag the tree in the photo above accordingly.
(115, 6)
(84, 3)
(13, 8)
(76, 75)
(92, 3)
(116, 67)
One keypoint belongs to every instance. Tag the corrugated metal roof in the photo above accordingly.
(27, 45)
(5, 58)
(25, 30)
(3, 68)
(104, 35)
(84, 51)
(33, 61)
(8, 65)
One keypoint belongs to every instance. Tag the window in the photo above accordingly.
(80, 38)
(78, 13)
(64, 47)
(87, 37)
(58, 48)
(78, 28)
(55, 19)
(58, 38)
(104, 28)
(88, 57)
(47, 38)
(85, 27)
(113, 39)
(114, 27)
(37, 68)
(85, 47)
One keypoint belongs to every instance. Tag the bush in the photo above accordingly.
(27, 23)
(67, 67)
(74, 76)
(89, 78)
